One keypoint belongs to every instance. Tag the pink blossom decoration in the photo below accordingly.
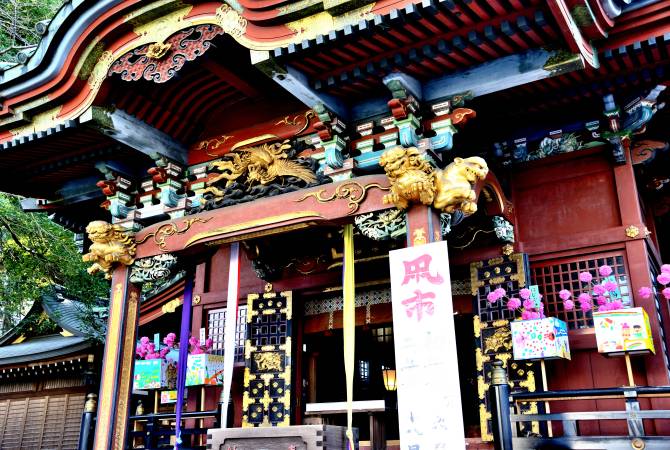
(585, 306)
(666, 293)
(616, 304)
(528, 304)
(602, 300)
(665, 268)
(605, 270)
(492, 297)
(585, 277)
(584, 297)
(568, 305)
(525, 293)
(610, 286)
(663, 278)
(645, 292)
(525, 315)
(500, 292)
(565, 294)
(513, 304)
(599, 289)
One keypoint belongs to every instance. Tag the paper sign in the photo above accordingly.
(202, 336)
(535, 295)
(545, 338)
(623, 331)
(429, 397)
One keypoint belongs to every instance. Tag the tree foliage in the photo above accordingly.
(36, 253)
(17, 24)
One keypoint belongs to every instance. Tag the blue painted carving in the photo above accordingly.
(503, 229)
(444, 135)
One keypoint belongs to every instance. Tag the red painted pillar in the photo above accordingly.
(118, 363)
(423, 225)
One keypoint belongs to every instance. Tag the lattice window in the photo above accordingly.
(268, 329)
(555, 275)
(383, 334)
(216, 325)
(364, 371)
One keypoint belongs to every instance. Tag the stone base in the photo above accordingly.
(298, 437)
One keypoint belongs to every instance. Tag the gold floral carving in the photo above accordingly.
(414, 180)
(507, 249)
(484, 417)
(352, 191)
(499, 339)
(419, 236)
(258, 165)
(231, 21)
(163, 232)
(478, 327)
(158, 50)
(482, 387)
(111, 245)
(632, 231)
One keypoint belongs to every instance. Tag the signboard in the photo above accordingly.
(623, 331)
(429, 396)
(545, 338)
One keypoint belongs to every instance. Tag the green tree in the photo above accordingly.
(17, 24)
(36, 253)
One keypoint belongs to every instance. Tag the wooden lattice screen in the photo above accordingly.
(47, 422)
(552, 276)
(267, 375)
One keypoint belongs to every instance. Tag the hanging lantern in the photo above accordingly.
(389, 379)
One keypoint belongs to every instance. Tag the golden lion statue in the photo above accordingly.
(110, 245)
(414, 180)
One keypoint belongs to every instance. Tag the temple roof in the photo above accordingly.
(42, 348)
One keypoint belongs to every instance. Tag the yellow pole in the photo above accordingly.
(550, 431)
(629, 369)
(349, 325)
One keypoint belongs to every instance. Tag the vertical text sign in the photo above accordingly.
(429, 395)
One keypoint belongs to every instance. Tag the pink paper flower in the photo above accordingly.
(666, 293)
(584, 297)
(665, 268)
(500, 292)
(663, 278)
(565, 294)
(616, 304)
(513, 304)
(528, 304)
(610, 286)
(144, 340)
(645, 292)
(602, 300)
(568, 305)
(585, 277)
(599, 289)
(605, 307)
(492, 297)
(524, 293)
(605, 270)
(585, 306)
(525, 315)
(534, 315)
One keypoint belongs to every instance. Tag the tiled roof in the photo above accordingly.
(42, 348)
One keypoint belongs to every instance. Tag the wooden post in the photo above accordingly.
(423, 225)
(547, 409)
(118, 363)
(629, 369)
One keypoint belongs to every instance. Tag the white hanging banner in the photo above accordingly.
(429, 395)
(230, 328)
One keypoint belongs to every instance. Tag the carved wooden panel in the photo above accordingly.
(493, 336)
(267, 376)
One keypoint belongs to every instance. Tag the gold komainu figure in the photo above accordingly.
(110, 245)
(414, 180)
(268, 361)
(259, 165)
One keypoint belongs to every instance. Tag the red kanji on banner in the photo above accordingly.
(420, 268)
(417, 304)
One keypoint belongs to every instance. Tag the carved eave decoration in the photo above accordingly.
(159, 61)
(153, 269)
(111, 246)
(261, 171)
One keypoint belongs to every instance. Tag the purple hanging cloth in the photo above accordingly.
(184, 334)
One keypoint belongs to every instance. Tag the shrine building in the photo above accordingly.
(353, 224)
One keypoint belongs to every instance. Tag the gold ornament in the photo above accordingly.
(632, 231)
(259, 165)
(111, 245)
(268, 361)
(158, 50)
(414, 180)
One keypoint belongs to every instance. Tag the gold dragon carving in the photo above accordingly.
(415, 180)
(111, 245)
(262, 165)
